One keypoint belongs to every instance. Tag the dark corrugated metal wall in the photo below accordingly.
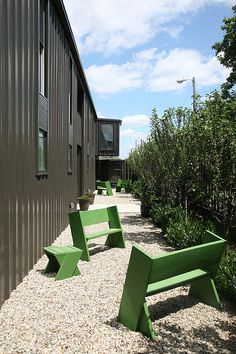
(33, 210)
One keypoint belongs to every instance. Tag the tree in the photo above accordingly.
(226, 52)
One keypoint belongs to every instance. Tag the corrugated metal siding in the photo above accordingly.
(33, 210)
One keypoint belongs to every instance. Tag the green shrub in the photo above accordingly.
(163, 214)
(226, 275)
(136, 189)
(183, 234)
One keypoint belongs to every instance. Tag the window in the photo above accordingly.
(88, 122)
(106, 137)
(69, 158)
(43, 50)
(80, 97)
(87, 163)
(42, 151)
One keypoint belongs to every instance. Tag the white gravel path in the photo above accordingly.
(78, 315)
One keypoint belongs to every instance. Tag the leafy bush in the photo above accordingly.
(136, 189)
(226, 275)
(163, 214)
(183, 234)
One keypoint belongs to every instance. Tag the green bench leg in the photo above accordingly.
(85, 256)
(53, 265)
(145, 323)
(204, 289)
(109, 189)
(115, 240)
(100, 191)
(68, 266)
(65, 265)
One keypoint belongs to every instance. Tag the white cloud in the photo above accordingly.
(108, 26)
(132, 134)
(139, 120)
(185, 63)
(112, 78)
(157, 72)
(130, 138)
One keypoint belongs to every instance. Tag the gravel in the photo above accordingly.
(79, 314)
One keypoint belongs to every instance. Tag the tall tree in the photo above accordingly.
(226, 52)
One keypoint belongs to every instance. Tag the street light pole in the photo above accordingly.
(194, 90)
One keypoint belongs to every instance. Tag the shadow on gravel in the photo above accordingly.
(171, 338)
(98, 249)
(201, 339)
(146, 232)
(47, 275)
(171, 305)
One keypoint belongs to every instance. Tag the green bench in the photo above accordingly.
(123, 183)
(81, 219)
(148, 275)
(63, 261)
(104, 186)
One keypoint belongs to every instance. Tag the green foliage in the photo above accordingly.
(191, 157)
(226, 51)
(142, 191)
(226, 275)
(183, 234)
(162, 215)
(85, 197)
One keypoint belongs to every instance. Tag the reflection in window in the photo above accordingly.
(42, 151)
(69, 158)
(106, 137)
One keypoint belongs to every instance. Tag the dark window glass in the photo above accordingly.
(43, 50)
(69, 158)
(42, 151)
(87, 163)
(106, 137)
(80, 97)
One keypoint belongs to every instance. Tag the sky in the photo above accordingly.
(134, 51)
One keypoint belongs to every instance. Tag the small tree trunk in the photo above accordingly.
(186, 208)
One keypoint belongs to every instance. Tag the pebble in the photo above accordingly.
(79, 314)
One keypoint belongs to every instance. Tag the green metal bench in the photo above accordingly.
(63, 261)
(80, 219)
(148, 275)
(104, 186)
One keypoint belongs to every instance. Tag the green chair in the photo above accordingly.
(147, 275)
(80, 219)
(63, 261)
(104, 186)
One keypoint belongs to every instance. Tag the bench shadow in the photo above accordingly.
(173, 339)
(47, 275)
(164, 308)
(147, 231)
(98, 248)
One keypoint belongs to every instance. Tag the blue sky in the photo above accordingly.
(133, 51)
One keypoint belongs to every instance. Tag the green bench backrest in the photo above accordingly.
(119, 182)
(206, 256)
(93, 217)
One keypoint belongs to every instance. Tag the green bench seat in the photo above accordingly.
(113, 230)
(147, 275)
(174, 282)
(101, 233)
(63, 261)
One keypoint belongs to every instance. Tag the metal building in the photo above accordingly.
(47, 132)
